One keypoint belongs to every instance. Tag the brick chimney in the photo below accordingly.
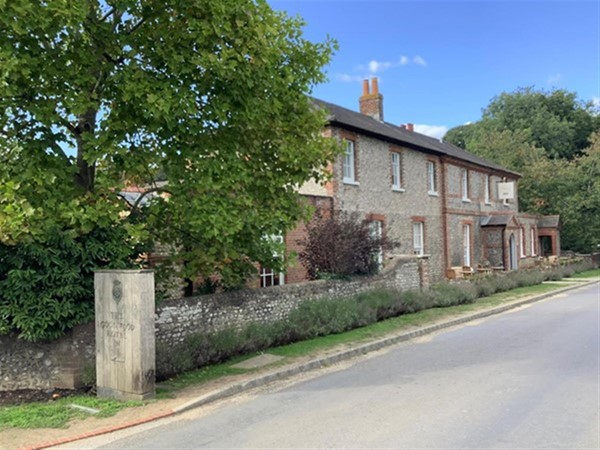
(410, 126)
(371, 101)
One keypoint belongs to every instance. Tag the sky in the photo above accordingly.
(439, 63)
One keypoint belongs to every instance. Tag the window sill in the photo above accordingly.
(433, 194)
(397, 189)
(488, 203)
(352, 182)
(466, 200)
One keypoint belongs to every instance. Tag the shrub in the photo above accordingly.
(448, 294)
(485, 286)
(341, 245)
(381, 304)
(47, 285)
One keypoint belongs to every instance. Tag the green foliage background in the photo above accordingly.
(552, 139)
(203, 102)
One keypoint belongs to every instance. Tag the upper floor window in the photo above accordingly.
(418, 238)
(350, 163)
(396, 171)
(464, 181)
(486, 187)
(431, 178)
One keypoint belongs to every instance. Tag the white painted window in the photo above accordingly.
(532, 238)
(486, 187)
(376, 230)
(431, 178)
(418, 247)
(466, 244)
(267, 276)
(523, 244)
(464, 180)
(396, 171)
(349, 163)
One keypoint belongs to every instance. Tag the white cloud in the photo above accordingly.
(375, 67)
(419, 60)
(596, 101)
(346, 78)
(553, 79)
(379, 66)
(435, 131)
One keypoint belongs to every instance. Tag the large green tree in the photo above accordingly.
(549, 138)
(209, 94)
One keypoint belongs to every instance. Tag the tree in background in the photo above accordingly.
(210, 95)
(545, 136)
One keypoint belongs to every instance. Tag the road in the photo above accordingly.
(524, 379)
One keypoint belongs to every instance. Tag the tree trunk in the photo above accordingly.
(86, 170)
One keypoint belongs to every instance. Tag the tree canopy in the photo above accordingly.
(208, 95)
(551, 138)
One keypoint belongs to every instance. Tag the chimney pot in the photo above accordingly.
(371, 103)
(375, 85)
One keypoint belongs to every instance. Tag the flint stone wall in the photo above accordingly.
(175, 320)
(62, 363)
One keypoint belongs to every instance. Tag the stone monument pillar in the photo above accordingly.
(125, 354)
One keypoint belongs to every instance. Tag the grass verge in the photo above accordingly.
(57, 413)
(588, 274)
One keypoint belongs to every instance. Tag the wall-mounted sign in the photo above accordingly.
(506, 190)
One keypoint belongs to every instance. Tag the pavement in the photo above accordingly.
(259, 375)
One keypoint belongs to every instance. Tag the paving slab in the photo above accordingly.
(258, 361)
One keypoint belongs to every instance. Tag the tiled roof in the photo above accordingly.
(497, 220)
(549, 222)
(362, 123)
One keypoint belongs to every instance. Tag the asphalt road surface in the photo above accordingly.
(525, 379)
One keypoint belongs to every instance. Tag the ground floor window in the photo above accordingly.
(270, 278)
(466, 244)
(376, 229)
(418, 246)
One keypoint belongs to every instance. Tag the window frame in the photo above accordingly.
(376, 230)
(397, 172)
(487, 190)
(467, 256)
(432, 178)
(349, 163)
(533, 241)
(523, 242)
(464, 184)
(419, 249)
(276, 278)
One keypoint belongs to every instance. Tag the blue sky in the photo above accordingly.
(440, 62)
